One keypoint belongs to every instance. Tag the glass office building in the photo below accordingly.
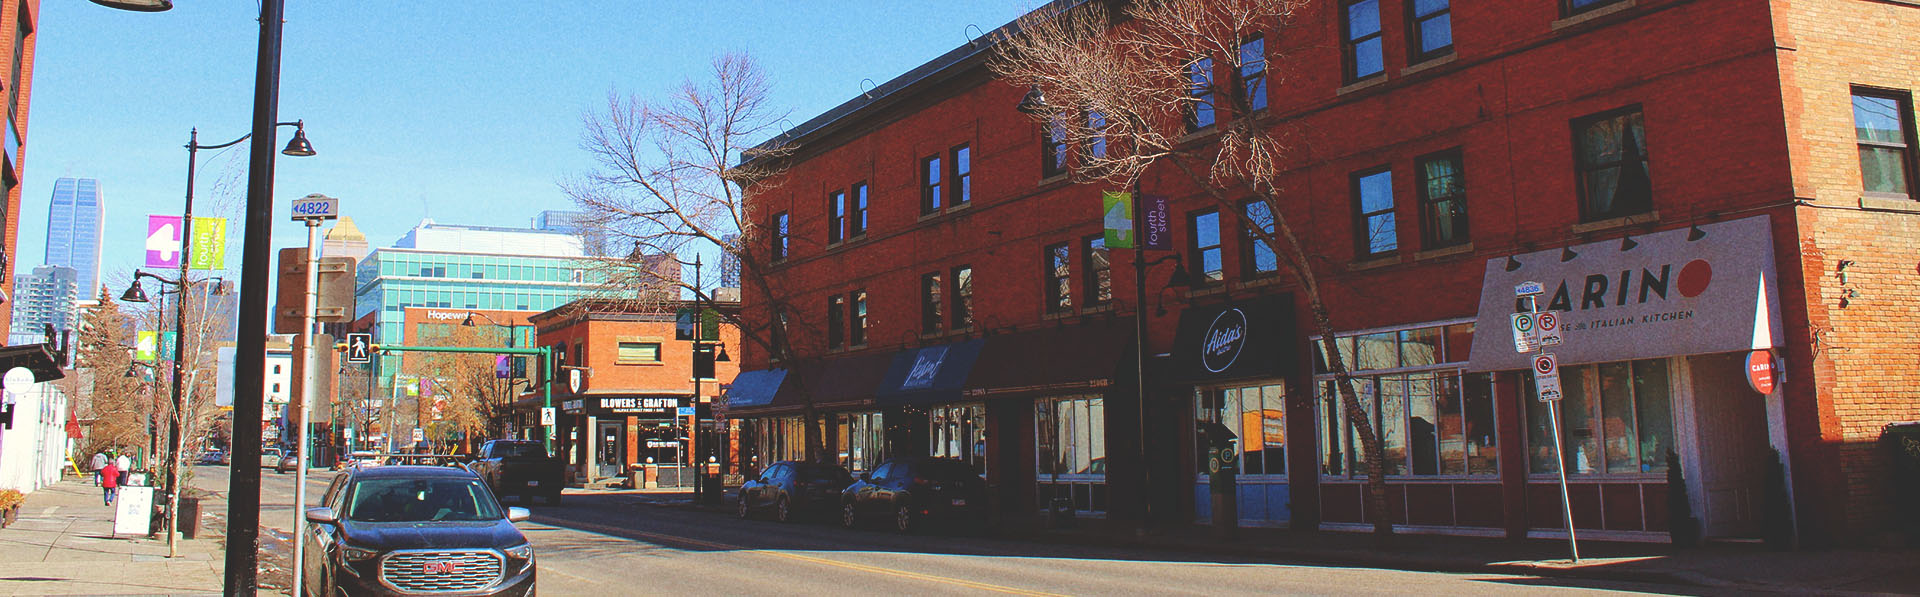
(75, 220)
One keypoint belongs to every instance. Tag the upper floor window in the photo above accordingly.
(1430, 28)
(1059, 278)
(1199, 112)
(1362, 34)
(1097, 137)
(1373, 201)
(1053, 147)
(1257, 258)
(779, 244)
(930, 185)
(1253, 73)
(1099, 270)
(857, 322)
(963, 297)
(638, 352)
(1612, 156)
(836, 216)
(1443, 200)
(1883, 128)
(1574, 7)
(1204, 230)
(930, 303)
(962, 174)
(836, 321)
(857, 211)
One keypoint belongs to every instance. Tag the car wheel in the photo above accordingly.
(782, 511)
(741, 510)
(903, 519)
(848, 517)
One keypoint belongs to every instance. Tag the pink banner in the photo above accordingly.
(163, 242)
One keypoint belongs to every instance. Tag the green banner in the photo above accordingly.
(166, 345)
(209, 247)
(1118, 216)
(145, 345)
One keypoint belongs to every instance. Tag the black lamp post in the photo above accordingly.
(182, 287)
(243, 505)
(1035, 103)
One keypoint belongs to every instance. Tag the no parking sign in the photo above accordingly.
(1546, 377)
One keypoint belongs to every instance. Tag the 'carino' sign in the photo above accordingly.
(1666, 296)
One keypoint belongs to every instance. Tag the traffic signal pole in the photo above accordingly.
(544, 353)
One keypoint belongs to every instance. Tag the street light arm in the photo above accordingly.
(195, 145)
(137, 275)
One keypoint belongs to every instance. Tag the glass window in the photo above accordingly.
(836, 321)
(962, 174)
(779, 245)
(1373, 200)
(1443, 200)
(1070, 454)
(836, 216)
(1099, 270)
(930, 185)
(1257, 414)
(1883, 127)
(1059, 279)
(1653, 411)
(1574, 7)
(1053, 147)
(1612, 156)
(1420, 347)
(1097, 134)
(930, 303)
(1253, 73)
(639, 352)
(857, 326)
(1431, 22)
(1256, 256)
(857, 213)
(963, 298)
(1204, 229)
(1199, 113)
(1431, 420)
(1364, 56)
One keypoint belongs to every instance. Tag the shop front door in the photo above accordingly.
(611, 448)
(1731, 420)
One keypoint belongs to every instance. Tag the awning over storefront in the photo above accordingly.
(35, 357)
(754, 388)
(929, 375)
(1050, 361)
(1672, 293)
(836, 383)
(1240, 340)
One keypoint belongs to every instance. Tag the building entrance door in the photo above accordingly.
(1731, 422)
(611, 448)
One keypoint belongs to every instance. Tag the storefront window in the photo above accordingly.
(1431, 418)
(861, 440)
(1070, 443)
(1257, 414)
(960, 432)
(1628, 429)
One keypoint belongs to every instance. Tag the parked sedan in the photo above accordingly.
(403, 529)
(213, 457)
(915, 490)
(270, 458)
(791, 488)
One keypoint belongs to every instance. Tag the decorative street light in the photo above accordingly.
(241, 574)
(182, 288)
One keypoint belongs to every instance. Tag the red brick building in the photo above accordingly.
(19, 18)
(1690, 180)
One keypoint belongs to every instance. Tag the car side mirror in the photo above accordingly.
(518, 514)
(322, 515)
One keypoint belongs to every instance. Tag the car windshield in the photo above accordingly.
(519, 450)
(420, 500)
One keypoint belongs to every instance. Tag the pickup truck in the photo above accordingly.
(520, 467)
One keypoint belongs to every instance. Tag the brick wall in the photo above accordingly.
(11, 12)
(1865, 344)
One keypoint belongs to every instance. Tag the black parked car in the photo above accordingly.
(402, 529)
(913, 490)
(791, 487)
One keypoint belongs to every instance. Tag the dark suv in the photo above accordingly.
(415, 529)
(913, 490)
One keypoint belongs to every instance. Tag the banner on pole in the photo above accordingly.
(163, 242)
(1118, 210)
(1156, 230)
(208, 251)
(145, 345)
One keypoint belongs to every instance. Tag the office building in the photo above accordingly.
(44, 298)
(75, 221)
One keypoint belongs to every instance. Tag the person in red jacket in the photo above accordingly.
(110, 481)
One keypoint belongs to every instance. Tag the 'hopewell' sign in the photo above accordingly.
(1667, 296)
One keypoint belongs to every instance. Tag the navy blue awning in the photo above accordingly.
(929, 375)
(755, 388)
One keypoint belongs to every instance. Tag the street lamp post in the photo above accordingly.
(182, 287)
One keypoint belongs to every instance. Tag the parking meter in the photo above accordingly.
(1223, 463)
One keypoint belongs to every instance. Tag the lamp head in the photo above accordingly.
(1034, 103)
(298, 145)
(722, 357)
(138, 5)
(1512, 264)
(1180, 277)
(468, 322)
(134, 293)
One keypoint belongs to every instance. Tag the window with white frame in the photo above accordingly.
(1432, 418)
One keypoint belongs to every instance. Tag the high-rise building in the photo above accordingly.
(43, 298)
(578, 223)
(730, 262)
(74, 224)
(344, 240)
(18, 21)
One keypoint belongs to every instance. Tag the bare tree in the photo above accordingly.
(117, 404)
(467, 395)
(1127, 91)
(669, 179)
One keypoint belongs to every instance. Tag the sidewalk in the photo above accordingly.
(1717, 566)
(62, 544)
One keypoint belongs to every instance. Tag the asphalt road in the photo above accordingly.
(620, 544)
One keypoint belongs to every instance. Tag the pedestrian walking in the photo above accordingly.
(123, 464)
(110, 481)
(99, 462)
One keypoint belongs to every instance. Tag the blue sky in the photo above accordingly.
(466, 112)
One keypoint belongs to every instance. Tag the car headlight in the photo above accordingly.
(522, 552)
(355, 554)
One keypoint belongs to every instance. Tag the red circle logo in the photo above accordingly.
(1695, 276)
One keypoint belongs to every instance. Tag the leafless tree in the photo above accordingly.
(1127, 85)
(669, 180)
(116, 404)
(467, 395)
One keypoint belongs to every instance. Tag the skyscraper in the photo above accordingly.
(74, 225)
(43, 298)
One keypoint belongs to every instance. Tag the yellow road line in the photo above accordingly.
(661, 538)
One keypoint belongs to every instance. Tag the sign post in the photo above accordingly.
(1534, 330)
(311, 211)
